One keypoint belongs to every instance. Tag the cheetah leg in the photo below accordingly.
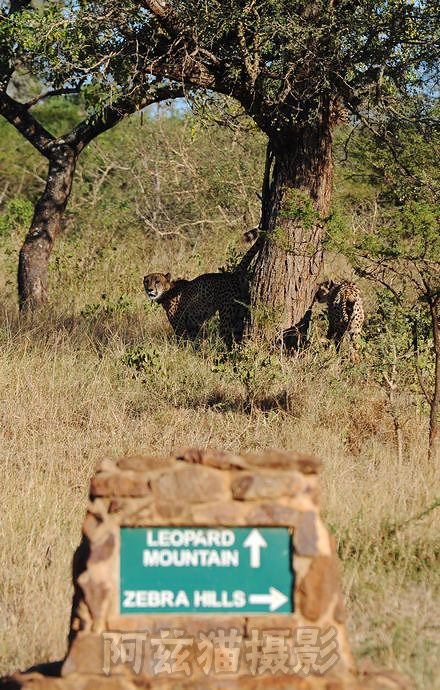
(226, 332)
(238, 320)
(338, 340)
(333, 337)
(226, 323)
(186, 331)
(330, 333)
(355, 348)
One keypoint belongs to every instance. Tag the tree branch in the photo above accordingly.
(87, 130)
(416, 362)
(164, 16)
(395, 155)
(184, 66)
(49, 94)
(18, 115)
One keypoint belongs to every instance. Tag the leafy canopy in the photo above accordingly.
(283, 61)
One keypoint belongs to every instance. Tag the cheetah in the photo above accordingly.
(345, 312)
(189, 303)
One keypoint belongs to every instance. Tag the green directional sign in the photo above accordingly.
(206, 570)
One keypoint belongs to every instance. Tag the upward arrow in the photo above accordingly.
(254, 542)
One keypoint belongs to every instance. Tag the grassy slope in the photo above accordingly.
(68, 399)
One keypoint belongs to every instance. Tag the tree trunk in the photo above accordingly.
(433, 412)
(34, 255)
(296, 204)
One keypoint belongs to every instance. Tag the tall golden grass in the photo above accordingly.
(68, 399)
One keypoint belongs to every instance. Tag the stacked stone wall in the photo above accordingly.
(206, 488)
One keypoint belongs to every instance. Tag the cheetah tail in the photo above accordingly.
(250, 255)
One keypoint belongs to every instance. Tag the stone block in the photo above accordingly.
(119, 484)
(319, 586)
(271, 622)
(85, 654)
(95, 682)
(95, 594)
(144, 463)
(102, 550)
(253, 485)
(288, 461)
(222, 513)
(306, 535)
(168, 509)
(193, 484)
(273, 514)
(211, 458)
(131, 506)
(90, 525)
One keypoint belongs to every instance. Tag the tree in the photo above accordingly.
(24, 45)
(294, 67)
(397, 245)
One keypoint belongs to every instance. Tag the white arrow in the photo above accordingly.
(275, 599)
(254, 541)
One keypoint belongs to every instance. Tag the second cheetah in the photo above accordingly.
(345, 311)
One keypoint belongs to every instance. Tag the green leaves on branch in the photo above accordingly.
(17, 214)
(254, 370)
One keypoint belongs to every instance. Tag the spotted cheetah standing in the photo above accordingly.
(189, 303)
(345, 312)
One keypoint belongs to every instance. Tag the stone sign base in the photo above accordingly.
(379, 680)
(305, 648)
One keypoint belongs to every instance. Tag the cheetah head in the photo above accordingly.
(156, 284)
(324, 290)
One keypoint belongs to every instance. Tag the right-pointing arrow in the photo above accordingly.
(275, 599)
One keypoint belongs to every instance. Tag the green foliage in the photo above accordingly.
(299, 207)
(107, 307)
(389, 340)
(406, 233)
(60, 114)
(336, 225)
(233, 258)
(16, 216)
(393, 239)
(144, 358)
(267, 320)
(250, 367)
(406, 167)
(263, 54)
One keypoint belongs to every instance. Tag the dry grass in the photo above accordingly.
(68, 400)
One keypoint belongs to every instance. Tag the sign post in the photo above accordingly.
(212, 570)
(207, 565)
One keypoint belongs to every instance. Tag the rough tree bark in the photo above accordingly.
(34, 256)
(296, 204)
(435, 400)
